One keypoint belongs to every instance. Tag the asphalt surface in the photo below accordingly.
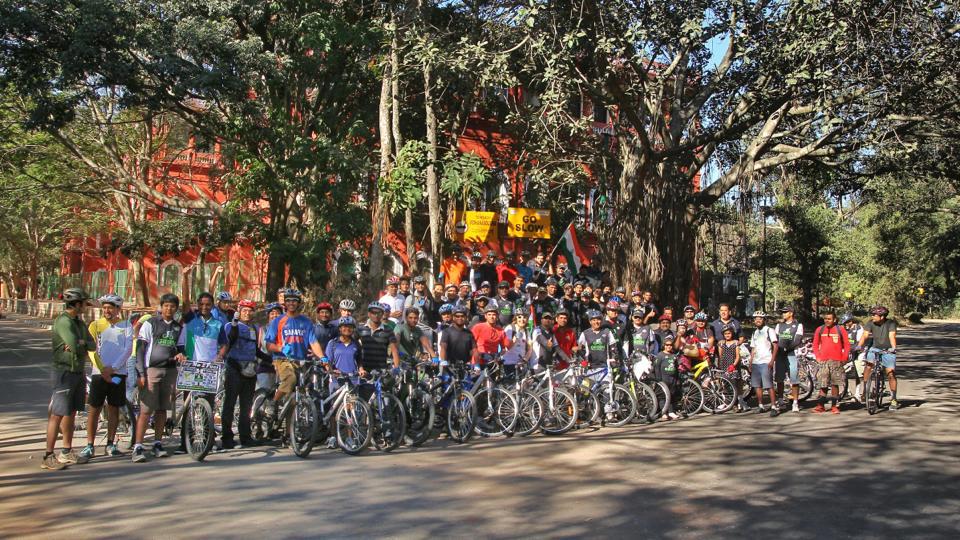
(892, 475)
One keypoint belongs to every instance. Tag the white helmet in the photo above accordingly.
(111, 299)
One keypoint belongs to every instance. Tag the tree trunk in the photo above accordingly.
(375, 276)
(34, 273)
(140, 281)
(433, 189)
(411, 240)
(275, 273)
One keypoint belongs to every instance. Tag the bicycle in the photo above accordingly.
(531, 407)
(497, 409)
(418, 404)
(635, 374)
(459, 405)
(299, 412)
(602, 393)
(689, 400)
(719, 392)
(389, 421)
(874, 388)
(560, 404)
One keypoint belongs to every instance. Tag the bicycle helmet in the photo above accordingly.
(880, 310)
(247, 304)
(689, 308)
(375, 305)
(759, 314)
(273, 306)
(393, 280)
(702, 316)
(490, 307)
(531, 285)
(294, 294)
(613, 305)
(224, 296)
(170, 298)
(847, 317)
(74, 295)
(347, 321)
(111, 299)
(594, 314)
(460, 310)
(324, 305)
(446, 308)
(637, 313)
(551, 281)
(348, 304)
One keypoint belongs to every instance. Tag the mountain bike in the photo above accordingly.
(389, 421)
(874, 387)
(688, 401)
(560, 404)
(603, 395)
(531, 407)
(635, 375)
(719, 392)
(458, 404)
(414, 391)
(298, 414)
(497, 409)
(194, 415)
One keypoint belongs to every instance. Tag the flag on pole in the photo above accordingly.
(570, 248)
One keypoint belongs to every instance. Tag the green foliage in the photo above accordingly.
(463, 178)
(403, 188)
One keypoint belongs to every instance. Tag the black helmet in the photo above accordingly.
(74, 294)
(170, 298)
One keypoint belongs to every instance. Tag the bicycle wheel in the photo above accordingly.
(871, 393)
(497, 412)
(303, 425)
(719, 394)
(461, 416)
(531, 413)
(199, 429)
(743, 384)
(421, 413)
(845, 389)
(619, 410)
(589, 406)
(354, 429)
(806, 383)
(388, 421)
(647, 404)
(261, 423)
(691, 397)
(662, 391)
(560, 418)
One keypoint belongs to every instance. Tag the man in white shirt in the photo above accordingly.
(763, 349)
(393, 299)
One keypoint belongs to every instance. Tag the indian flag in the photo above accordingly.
(570, 248)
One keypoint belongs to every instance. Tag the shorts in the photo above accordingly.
(830, 373)
(287, 374)
(887, 359)
(760, 376)
(787, 360)
(69, 393)
(266, 381)
(114, 394)
(160, 391)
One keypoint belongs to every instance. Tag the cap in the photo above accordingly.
(482, 298)
(786, 309)
(551, 281)
(490, 307)
(485, 284)
(419, 279)
(546, 315)
(450, 286)
(637, 313)
(664, 318)
(635, 293)
(503, 285)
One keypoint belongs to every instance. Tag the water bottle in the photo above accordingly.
(116, 380)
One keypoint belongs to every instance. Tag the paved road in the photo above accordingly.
(893, 475)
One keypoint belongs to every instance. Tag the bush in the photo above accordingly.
(915, 317)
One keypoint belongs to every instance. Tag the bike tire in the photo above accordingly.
(531, 413)
(461, 416)
(647, 403)
(807, 382)
(421, 415)
(497, 412)
(691, 397)
(870, 392)
(199, 428)
(261, 424)
(563, 416)
(389, 422)
(589, 406)
(302, 427)
(621, 410)
(845, 389)
(662, 391)
(719, 393)
(354, 426)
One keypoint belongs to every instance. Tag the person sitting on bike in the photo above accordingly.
(763, 349)
(546, 348)
(266, 374)
(566, 336)
(412, 342)
(883, 332)
(240, 378)
(114, 344)
(345, 355)
(830, 348)
(160, 347)
(636, 335)
(324, 329)
(728, 359)
(857, 355)
(520, 349)
(288, 338)
(599, 343)
(790, 335)
(490, 338)
(457, 344)
(665, 370)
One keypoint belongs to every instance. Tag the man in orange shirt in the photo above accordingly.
(453, 269)
(490, 338)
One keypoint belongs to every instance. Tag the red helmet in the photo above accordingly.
(325, 306)
(247, 303)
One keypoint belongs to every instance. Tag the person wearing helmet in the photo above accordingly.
(266, 374)
(883, 348)
(72, 344)
(546, 348)
(666, 331)
(324, 329)
(614, 320)
(490, 338)
(857, 354)
(223, 311)
(457, 344)
(113, 337)
(345, 355)
(347, 307)
(446, 319)
(161, 346)
(540, 304)
(480, 305)
(412, 341)
(599, 343)
(240, 376)
(763, 350)
(705, 338)
(377, 340)
(289, 338)
(584, 305)
(423, 300)
(393, 299)
(689, 312)
(789, 336)
(521, 349)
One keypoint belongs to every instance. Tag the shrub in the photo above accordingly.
(915, 317)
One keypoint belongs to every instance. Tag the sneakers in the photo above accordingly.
(673, 416)
(835, 410)
(51, 463)
(113, 450)
(819, 409)
(894, 404)
(71, 458)
(87, 453)
(138, 455)
(796, 406)
(858, 393)
(761, 409)
(159, 452)
(331, 442)
(774, 412)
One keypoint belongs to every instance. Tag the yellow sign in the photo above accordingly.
(474, 226)
(528, 223)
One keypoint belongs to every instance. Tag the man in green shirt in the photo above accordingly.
(411, 340)
(71, 344)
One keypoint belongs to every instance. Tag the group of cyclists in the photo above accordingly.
(525, 322)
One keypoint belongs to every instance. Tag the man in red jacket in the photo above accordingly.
(830, 347)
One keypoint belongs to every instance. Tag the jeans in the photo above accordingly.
(237, 386)
(887, 359)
